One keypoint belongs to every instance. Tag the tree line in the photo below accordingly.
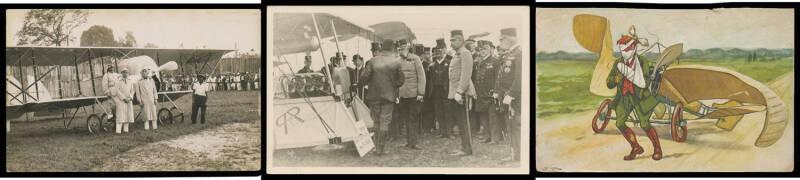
(54, 27)
(711, 54)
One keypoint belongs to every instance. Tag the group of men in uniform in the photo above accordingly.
(467, 82)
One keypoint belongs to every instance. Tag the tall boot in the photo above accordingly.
(651, 133)
(635, 148)
(380, 143)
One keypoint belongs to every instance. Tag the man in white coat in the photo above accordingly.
(147, 95)
(109, 79)
(123, 97)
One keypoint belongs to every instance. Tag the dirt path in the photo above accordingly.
(231, 147)
(567, 143)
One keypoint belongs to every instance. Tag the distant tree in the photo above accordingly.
(47, 27)
(150, 45)
(128, 41)
(694, 53)
(98, 36)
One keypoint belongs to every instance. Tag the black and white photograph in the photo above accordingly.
(131, 90)
(398, 89)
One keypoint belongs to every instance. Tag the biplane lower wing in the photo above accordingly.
(15, 111)
(688, 83)
(298, 125)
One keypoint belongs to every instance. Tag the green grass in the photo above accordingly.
(563, 85)
(47, 146)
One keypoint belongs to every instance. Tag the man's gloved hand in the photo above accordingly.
(458, 98)
(495, 95)
(397, 100)
(419, 98)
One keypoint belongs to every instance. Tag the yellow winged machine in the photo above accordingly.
(680, 88)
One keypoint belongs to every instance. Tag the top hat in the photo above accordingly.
(440, 44)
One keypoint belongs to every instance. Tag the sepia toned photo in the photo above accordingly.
(398, 90)
(665, 90)
(116, 90)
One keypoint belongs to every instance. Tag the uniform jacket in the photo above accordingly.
(484, 79)
(414, 73)
(509, 76)
(461, 74)
(383, 76)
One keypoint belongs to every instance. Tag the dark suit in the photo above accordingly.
(439, 86)
(355, 75)
(383, 77)
(427, 122)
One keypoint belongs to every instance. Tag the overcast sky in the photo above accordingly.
(738, 27)
(217, 29)
(427, 22)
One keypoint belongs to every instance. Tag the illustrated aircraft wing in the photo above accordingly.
(295, 32)
(15, 111)
(593, 33)
(688, 83)
(394, 30)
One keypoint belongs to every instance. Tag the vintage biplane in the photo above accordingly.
(304, 116)
(682, 88)
(24, 97)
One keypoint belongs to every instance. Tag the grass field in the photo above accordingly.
(434, 153)
(47, 146)
(563, 85)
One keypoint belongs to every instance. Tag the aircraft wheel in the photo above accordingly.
(176, 115)
(94, 123)
(165, 117)
(678, 132)
(107, 125)
(602, 113)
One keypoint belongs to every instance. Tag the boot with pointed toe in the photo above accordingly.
(651, 133)
(635, 147)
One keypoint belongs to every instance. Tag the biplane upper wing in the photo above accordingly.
(15, 111)
(295, 32)
(393, 30)
(67, 56)
(688, 83)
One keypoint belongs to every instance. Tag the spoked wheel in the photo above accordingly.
(165, 117)
(94, 123)
(177, 115)
(678, 132)
(602, 113)
(106, 125)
